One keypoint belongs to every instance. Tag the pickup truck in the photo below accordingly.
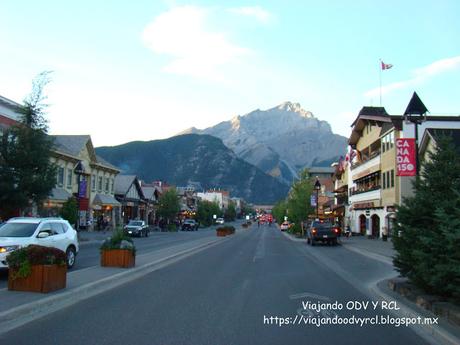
(322, 230)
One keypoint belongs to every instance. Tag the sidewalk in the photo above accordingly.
(373, 248)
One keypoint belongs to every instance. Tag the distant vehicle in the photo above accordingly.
(49, 232)
(220, 221)
(322, 230)
(190, 225)
(137, 228)
(284, 226)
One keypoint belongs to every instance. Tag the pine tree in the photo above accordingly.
(425, 234)
(26, 172)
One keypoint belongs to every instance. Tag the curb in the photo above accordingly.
(435, 334)
(24, 314)
(293, 239)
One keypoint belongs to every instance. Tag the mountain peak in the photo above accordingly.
(294, 108)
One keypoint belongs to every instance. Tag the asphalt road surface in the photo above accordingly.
(89, 252)
(234, 293)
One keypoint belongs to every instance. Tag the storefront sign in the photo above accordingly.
(405, 157)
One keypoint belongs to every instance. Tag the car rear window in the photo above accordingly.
(323, 225)
(135, 223)
(18, 229)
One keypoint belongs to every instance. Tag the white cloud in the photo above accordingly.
(392, 87)
(196, 50)
(253, 11)
(438, 67)
(420, 76)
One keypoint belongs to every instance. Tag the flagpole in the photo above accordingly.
(380, 81)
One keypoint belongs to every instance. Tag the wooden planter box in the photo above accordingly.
(221, 233)
(43, 278)
(123, 258)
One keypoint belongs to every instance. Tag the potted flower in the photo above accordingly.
(118, 251)
(225, 230)
(37, 269)
(221, 231)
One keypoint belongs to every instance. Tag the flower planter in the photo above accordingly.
(43, 278)
(221, 233)
(123, 258)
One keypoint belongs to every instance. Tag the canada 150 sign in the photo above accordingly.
(405, 157)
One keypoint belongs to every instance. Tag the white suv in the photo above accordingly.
(48, 232)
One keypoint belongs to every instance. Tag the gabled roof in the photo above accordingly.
(374, 114)
(73, 144)
(415, 106)
(150, 193)
(437, 133)
(123, 184)
(103, 162)
(70, 144)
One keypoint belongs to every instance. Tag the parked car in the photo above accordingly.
(49, 232)
(137, 228)
(220, 221)
(322, 230)
(284, 226)
(190, 225)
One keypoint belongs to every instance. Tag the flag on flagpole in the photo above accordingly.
(386, 65)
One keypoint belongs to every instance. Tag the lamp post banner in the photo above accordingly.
(405, 157)
(313, 201)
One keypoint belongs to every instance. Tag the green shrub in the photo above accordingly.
(119, 240)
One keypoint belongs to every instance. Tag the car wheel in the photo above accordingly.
(70, 257)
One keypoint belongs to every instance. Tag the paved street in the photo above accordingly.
(229, 294)
(89, 251)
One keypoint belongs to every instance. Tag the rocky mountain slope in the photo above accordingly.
(200, 158)
(281, 140)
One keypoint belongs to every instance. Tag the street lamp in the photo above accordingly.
(79, 171)
(415, 113)
(317, 188)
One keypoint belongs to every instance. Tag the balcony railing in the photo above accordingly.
(365, 190)
(366, 159)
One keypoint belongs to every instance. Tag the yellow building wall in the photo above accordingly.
(390, 196)
(368, 138)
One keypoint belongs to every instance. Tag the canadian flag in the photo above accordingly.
(386, 65)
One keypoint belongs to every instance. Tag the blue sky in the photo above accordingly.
(146, 70)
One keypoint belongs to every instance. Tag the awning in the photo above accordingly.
(59, 194)
(105, 200)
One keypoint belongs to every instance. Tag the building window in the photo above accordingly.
(384, 181)
(93, 183)
(113, 186)
(107, 180)
(392, 139)
(99, 184)
(69, 178)
(60, 176)
(392, 178)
